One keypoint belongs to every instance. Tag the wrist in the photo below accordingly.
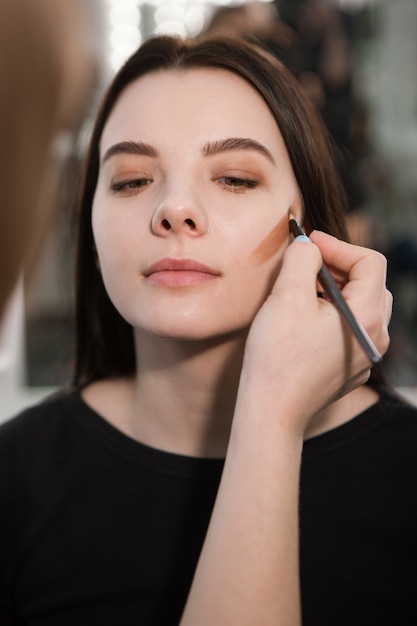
(275, 408)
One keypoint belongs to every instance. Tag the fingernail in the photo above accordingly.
(303, 238)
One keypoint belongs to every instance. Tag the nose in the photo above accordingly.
(178, 214)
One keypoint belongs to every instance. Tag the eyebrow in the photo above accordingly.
(236, 143)
(209, 149)
(130, 147)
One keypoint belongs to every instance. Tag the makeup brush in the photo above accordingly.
(334, 294)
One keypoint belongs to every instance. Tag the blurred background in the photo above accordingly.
(357, 61)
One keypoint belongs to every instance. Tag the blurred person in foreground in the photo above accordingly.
(47, 69)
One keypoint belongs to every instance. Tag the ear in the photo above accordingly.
(297, 208)
(306, 225)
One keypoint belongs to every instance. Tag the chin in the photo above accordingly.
(193, 323)
(188, 332)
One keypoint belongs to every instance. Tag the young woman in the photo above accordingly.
(164, 488)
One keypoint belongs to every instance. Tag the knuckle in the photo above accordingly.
(379, 259)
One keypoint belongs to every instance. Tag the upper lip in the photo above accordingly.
(179, 265)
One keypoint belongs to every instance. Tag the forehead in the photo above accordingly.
(198, 101)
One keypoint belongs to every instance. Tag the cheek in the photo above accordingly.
(264, 277)
(256, 283)
(263, 263)
(114, 236)
(272, 243)
(116, 264)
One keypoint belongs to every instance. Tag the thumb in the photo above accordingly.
(300, 265)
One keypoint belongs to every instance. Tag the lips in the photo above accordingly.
(179, 273)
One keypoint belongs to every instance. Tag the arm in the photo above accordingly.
(298, 358)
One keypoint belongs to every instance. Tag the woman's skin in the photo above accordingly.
(230, 360)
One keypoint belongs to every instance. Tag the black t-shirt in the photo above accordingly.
(98, 529)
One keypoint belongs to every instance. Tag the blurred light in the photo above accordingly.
(194, 20)
(157, 3)
(168, 11)
(124, 30)
(170, 27)
(127, 29)
(122, 34)
(124, 14)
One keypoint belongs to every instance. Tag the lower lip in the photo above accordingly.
(179, 278)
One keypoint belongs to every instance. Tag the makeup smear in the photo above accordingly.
(272, 242)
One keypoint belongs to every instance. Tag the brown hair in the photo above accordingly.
(104, 339)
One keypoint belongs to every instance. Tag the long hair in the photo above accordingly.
(105, 345)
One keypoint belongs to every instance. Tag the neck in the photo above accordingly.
(182, 397)
(185, 392)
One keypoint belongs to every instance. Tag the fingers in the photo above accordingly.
(298, 333)
(388, 306)
(364, 283)
(355, 262)
(301, 264)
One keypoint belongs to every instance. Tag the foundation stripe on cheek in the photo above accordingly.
(272, 242)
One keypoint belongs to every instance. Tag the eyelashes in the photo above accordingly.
(237, 184)
(134, 184)
(130, 187)
(234, 184)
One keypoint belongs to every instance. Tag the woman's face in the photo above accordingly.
(190, 214)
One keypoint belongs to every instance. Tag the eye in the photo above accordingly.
(129, 187)
(236, 184)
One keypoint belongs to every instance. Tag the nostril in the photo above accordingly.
(190, 223)
(166, 224)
